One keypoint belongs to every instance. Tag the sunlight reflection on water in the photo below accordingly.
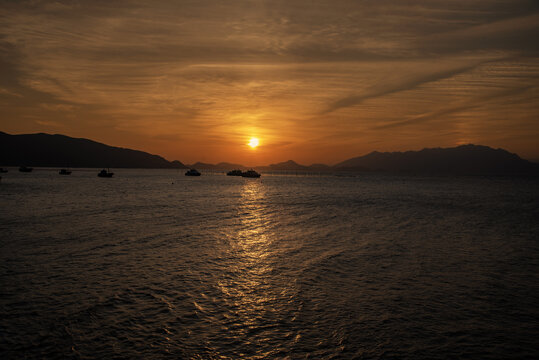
(245, 289)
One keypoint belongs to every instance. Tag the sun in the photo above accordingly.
(253, 143)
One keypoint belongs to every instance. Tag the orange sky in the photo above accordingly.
(315, 81)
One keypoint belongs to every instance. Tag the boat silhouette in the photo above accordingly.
(25, 169)
(64, 172)
(192, 172)
(250, 174)
(105, 174)
(236, 172)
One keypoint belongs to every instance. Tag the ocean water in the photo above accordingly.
(154, 265)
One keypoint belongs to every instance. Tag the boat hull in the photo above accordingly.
(192, 172)
(234, 173)
(250, 174)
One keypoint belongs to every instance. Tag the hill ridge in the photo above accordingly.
(462, 159)
(57, 150)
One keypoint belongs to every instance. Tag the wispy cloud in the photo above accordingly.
(465, 105)
(517, 34)
(393, 86)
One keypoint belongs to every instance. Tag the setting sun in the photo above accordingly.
(253, 142)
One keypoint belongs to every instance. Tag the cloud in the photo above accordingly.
(396, 85)
(58, 107)
(4, 91)
(49, 123)
(518, 34)
(466, 105)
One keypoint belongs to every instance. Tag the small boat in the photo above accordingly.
(104, 173)
(234, 173)
(250, 174)
(192, 172)
(2, 170)
(25, 169)
(64, 172)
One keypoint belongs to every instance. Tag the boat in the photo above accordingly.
(2, 170)
(64, 172)
(250, 174)
(192, 172)
(234, 173)
(104, 173)
(25, 169)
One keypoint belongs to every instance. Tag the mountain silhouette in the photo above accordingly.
(222, 166)
(465, 159)
(64, 151)
(291, 165)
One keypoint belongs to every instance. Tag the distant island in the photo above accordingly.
(460, 160)
(62, 151)
(465, 159)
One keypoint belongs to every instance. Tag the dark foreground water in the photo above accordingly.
(292, 267)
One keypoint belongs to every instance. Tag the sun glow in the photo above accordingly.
(253, 143)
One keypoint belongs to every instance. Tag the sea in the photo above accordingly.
(151, 264)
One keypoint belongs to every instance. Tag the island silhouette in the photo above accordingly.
(45, 150)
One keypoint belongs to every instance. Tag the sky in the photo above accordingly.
(315, 81)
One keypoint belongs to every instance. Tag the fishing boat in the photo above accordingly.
(25, 169)
(192, 172)
(64, 172)
(234, 173)
(250, 174)
(105, 174)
